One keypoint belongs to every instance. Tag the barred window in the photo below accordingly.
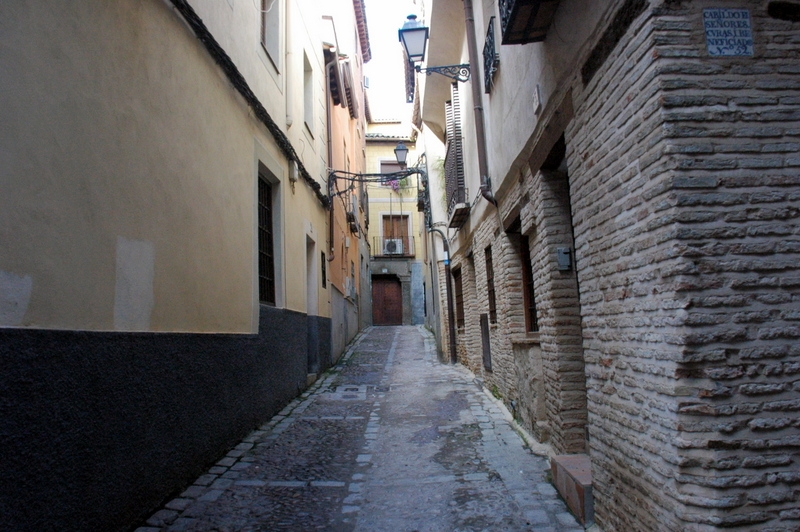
(490, 285)
(459, 296)
(531, 320)
(266, 249)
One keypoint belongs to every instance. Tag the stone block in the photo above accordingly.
(572, 476)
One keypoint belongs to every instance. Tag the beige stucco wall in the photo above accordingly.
(383, 200)
(128, 167)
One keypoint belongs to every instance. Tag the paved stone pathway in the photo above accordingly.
(389, 440)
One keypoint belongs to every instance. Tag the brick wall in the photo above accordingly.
(558, 311)
(443, 314)
(625, 260)
(684, 172)
(551, 401)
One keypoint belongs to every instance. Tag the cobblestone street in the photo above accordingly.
(389, 440)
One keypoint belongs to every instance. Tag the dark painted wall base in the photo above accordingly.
(97, 429)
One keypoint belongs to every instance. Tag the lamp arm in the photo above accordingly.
(455, 72)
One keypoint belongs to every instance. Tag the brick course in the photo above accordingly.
(676, 344)
(687, 266)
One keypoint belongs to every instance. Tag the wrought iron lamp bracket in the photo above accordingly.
(454, 72)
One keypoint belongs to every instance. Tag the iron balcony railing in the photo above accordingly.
(525, 21)
(490, 58)
(393, 247)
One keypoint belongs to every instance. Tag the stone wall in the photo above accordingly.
(557, 308)
(550, 402)
(443, 315)
(623, 220)
(684, 171)
(733, 137)
(670, 352)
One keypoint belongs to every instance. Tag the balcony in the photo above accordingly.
(457, 206)
(401, 247)
(458, 210)
(525, 21)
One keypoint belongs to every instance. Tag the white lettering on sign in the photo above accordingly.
(728, 32)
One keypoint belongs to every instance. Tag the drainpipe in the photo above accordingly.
(451, 319)
(477, 100)
(289, 69)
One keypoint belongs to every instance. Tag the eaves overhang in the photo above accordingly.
(363, 33)
(446, 47)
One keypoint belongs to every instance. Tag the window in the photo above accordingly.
(490, 285)
(352, 279)
(271, 29)
(454, 160)
(266, 249)
(396, 239)
(490, 59)
(324, 263)
(390, 167)
(531, 320)
(459, 296)
(308, 94)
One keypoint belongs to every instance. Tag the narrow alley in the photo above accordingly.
(389, 440)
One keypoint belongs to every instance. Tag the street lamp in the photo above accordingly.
(401, 153)
(414, 37)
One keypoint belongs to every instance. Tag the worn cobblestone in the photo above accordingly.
(390, 440)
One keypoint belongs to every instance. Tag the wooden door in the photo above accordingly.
(396, 227)
(387, 301)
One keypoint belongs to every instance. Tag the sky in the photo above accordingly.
(386, 91)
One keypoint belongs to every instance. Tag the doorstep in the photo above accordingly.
(572, 476)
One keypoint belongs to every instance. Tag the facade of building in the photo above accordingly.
(164, 214)
(625, 244)
(399, 254)
(346, 53)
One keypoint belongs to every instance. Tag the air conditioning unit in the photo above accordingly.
(393, 246)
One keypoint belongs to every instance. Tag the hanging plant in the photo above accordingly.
(399, 184)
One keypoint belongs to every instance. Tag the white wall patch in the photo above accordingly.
(133, 294)
(15, 295)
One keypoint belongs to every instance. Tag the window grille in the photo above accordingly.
(266, 249)
(459, 297)
(490, 58)
(324, 263)
(531, 319)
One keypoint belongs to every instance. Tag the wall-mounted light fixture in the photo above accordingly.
(401, 154)
(414, 37)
